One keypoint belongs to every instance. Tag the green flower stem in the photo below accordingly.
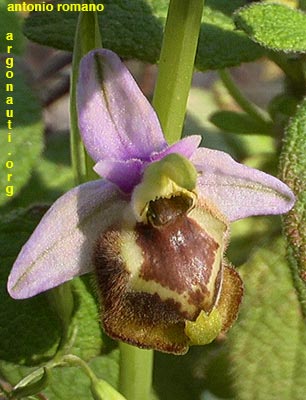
(100, 389)
(170, 100)
(176, 65)
(78, 362)
(242, 101)
(135, 379)
(87, 37)
(246, 105)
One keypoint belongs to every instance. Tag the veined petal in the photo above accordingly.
(237, 190)
(186, 147)
(61, 247)
(125, 174)
(115, 118)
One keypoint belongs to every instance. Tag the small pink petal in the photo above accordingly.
(237, 190)
(115, 119)
(61, 247)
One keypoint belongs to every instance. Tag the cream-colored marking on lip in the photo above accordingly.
(131, 253)
(133, 259)
(152, 287)
(215, 227)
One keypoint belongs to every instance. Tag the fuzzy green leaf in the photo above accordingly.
(274, 26)
(50, 178)
(29, 329)
(221, 45)
(20, 155)
(135, 30)
(268, 344)
(235, 122)
(71, 383)
(10, 22)
(88, 342)
(293, 172)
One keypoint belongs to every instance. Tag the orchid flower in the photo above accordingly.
(154, 228)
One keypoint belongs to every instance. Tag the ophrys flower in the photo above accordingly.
(154, 228)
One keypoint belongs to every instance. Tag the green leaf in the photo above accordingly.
(10, 22)
(202, 369)
(127, 28)
(293, 172)
(88, 341)
(221, 45)
(281, 108)
(267, 347)
(169, 382)
(50, 178)
(135, 30)
(274, 26)
(29, 329)
(225, 6)
(235, 122)
(32, 387)
(201, 104)
(18, 156)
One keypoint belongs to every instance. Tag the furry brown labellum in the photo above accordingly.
(158, 276)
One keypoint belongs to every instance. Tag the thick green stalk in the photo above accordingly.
(293, 173)
(242, 101)
(170, 100)
(136, 366)
(176, 65)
